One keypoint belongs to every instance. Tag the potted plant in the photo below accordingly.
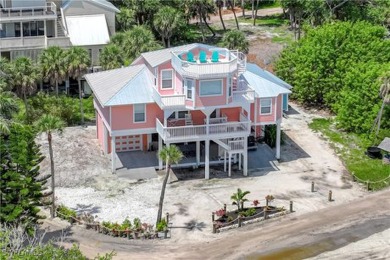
(137, 228)
(126, 227)
(162, 228)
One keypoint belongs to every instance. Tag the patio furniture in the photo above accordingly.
(202, 57)
(215, 56)
(190, 57)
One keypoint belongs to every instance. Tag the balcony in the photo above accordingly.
(33, 42)
(197, 70)
(48, 11)
(200, 132)
(176, 101)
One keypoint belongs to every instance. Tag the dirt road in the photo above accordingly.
(296, 236)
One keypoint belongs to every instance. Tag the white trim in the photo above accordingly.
(134, 131)
(193, 88)
(276, 107)
(270, 113)
(215, 95)
(161, 79)
(137, 122)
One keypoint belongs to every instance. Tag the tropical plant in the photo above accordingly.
(21, 186)
(49, 124)
(138, 40)
(162, 225)
(4, 74)
(111, 57)
(78, 61)
(220, 212)
(23, 79)
(166, 21)
(8, 108)
(53, 65)
(171, 155)
(235, 40)
(238, 198)
(66, 213)
(201, 9)
(256, 203)
(384, 93)
(126, 19)
(249, 212)
(144, 10)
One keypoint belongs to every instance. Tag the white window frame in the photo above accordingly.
(213, 95)
(230, 86)
(161, 78)
(192, 89)
(261, 106)
(144, 106)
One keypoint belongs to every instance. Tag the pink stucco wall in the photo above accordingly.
(212, 100)
(103, 111)
(122, 117)
(162, 91)
(100, 129)
(267, 118)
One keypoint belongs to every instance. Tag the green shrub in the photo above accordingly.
(126, 224)
(162, 225)
(66, 213)
(249, 212)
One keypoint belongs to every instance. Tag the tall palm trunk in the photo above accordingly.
(161, 202)
(81, 101)
(243, 8)
(57, 88)
(220, 17)
(255, 17)
(235, 17)
(201, 23)
(253, 9)
(208, 26)
(53, 207)
(168, 42)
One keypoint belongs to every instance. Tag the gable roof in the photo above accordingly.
(155, 58)
(385, 144)
(87, 29)
(263, 86)
(102, 3)
(267, 75)
(129, 85)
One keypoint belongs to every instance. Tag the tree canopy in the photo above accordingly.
(337, 66)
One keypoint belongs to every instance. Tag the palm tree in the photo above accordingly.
(138, 40)
(255, 16)
(170, 154)
(111, 57)
(230, 3)
(23, 78)
(49, 124)
(53, 67)
(78, 62)
(126, 18)
(4, 74)
(219, 4)
(8, 107)
(166, 22)
(238, 198)
(235, 40)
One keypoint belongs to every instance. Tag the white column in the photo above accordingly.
(197, 153)
(55, 28)
(245, 158)
(278, 140)
(113, 166)
(207, 160)
(239, 161)
(160, 162)
(230, 165)
(224, 160)
(207, 124)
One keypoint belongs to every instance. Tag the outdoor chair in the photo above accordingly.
(190, 57)
(202, 57)
(215, 56)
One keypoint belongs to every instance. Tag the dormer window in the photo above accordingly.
(166, 79)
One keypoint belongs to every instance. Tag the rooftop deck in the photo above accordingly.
(49, 11)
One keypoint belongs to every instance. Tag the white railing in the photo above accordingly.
(169, 101)
(18, 42)
(228, 130)
(50, 9)
(236, 145)
(204, 70)
(58, 41)
(246, 94)
(217, 120)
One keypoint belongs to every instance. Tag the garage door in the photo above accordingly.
(128, 143)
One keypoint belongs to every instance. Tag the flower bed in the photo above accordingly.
(127, 229)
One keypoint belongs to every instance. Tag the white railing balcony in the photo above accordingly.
(237, 145)
(208, 69)
(169, 101)
(26, 13)
(244, 96)
(25, 42)
(199, 132)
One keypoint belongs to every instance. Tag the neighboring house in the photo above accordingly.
(29, 26)
(194, 94)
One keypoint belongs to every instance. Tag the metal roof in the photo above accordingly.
(155, 58)
(267, 75)
(107, 84)
(385, 144)
(264, 87)
(88, 30)
(103, 3)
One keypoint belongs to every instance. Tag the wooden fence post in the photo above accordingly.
(330, 196)
(265, 213)
(224, 207)
(167, 218)
(312, 186)
(368, 185)
(239, 221)
(291, 206)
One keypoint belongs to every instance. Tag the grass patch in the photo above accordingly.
(351, 148)
(271, 20)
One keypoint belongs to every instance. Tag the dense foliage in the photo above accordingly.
(338, 66)
(20, 186)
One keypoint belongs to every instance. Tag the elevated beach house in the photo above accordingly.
(195, 95)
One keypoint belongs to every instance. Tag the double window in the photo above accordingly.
(34, 28)
(266, 106)
(139, 113)
(167, 79)
(210, 88)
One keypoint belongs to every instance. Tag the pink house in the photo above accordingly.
(194, 93)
